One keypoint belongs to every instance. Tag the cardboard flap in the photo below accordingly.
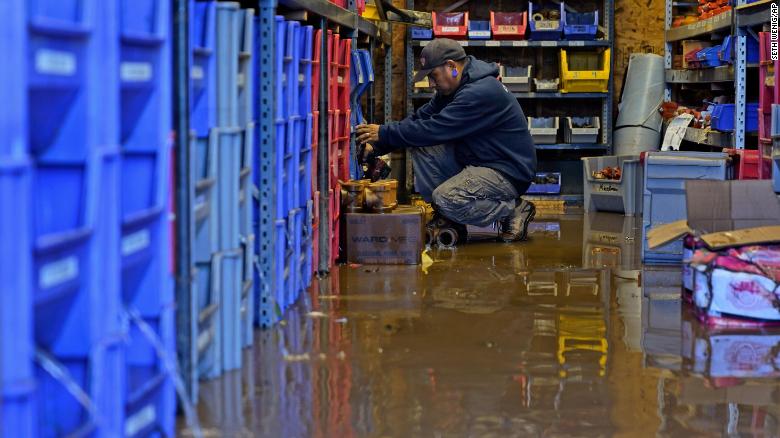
(748, 236)
(666, 233)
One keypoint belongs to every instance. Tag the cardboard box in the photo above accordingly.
(733, 259)
(386, 239)
(688, 46)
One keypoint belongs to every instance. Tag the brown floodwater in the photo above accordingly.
(566, 335)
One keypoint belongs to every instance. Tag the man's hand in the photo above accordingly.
(367, 152)
(367, 133)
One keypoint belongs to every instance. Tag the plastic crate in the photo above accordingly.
(544, 130)
(203, 73)
(544, 29)
(620, 196)
(517, 79)
(581, 129)
(245, 80)
(581, 78)
(545, 183)
(749, 164)
(547, 85)
(450, 24)
(479, 30)
(664, 193)
(421, 33)
(722, 117)
(580, 25)
(508, 25)
(709, 57)
(17, 381)
(752, 50)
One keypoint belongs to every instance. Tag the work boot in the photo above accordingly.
(515, 227)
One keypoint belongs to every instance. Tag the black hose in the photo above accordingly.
(447, 238)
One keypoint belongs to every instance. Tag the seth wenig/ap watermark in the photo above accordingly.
(773, 31)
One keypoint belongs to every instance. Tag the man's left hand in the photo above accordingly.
(367, 134)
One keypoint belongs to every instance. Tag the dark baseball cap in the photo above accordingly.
(436, 53)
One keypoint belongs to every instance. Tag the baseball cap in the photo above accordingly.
(436, 53)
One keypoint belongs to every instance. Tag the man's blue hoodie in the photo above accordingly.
(481, 119)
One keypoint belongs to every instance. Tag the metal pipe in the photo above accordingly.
(323, 170)
(184, 194)
(447, 238)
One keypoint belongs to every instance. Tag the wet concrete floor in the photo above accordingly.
(566, 335)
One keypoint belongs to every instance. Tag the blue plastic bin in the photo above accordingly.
(17, 382)
(580, 25)
(722, 117)
(752, 48)
(245, 80)
(229, 24)
(664, 193)
(479, 30)
(203, 73)
(69, 67)
(545, 30)
(710, 56)
(421, 33)
(145, 78)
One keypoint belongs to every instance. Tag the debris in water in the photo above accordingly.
(340, 321)
(316, 314)
(329, 297)
(355, 265)
(322, 356)
(380, 350)
(341, 355)
(296, 357)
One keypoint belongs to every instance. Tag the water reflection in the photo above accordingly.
(554, 337)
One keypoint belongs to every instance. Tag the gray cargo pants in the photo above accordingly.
(468, 195)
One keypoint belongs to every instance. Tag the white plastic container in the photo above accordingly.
(544, 130)
(517, 78)
(547, 85)
(573, 134)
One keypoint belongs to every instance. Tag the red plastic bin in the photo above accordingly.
(749, 164)
(508, 25)
(453, 25)
(342, 3)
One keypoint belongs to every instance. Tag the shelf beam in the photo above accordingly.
(532, 95)
(754, 14)
(720, 22)
(702, 76)
(520, 43)
(571, 146)
(338, 15)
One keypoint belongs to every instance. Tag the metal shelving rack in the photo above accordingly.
(739, 23)
(605, 146)
(325, 16)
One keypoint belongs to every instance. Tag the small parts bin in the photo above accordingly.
(544, 130)
(517, 79)
(722, 118)
(508, 25)
(581, 129)
(580, 25)
(479, 30)
(584, 72)
(544, 23)
(622, 194)
(546, 183)
(450, 24)
(547, 85)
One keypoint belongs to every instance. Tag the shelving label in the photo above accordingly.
(135, 242)
(577, 43)
(549, 43)
(135, 71)
(493, 43)
(55, 62)
(58, 272)
(520, 43)
(452, 29)
(197, 73)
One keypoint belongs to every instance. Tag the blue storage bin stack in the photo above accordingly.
(293, 119)
(362, 77)
(664, 193)
(246, 120)
(421, 33)
(205, 350)
(58, 176)
(17, 381)
(580, 25)
(305, 202)
(231, 142)
(147, 293)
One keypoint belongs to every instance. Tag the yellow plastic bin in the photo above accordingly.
(581, 72)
